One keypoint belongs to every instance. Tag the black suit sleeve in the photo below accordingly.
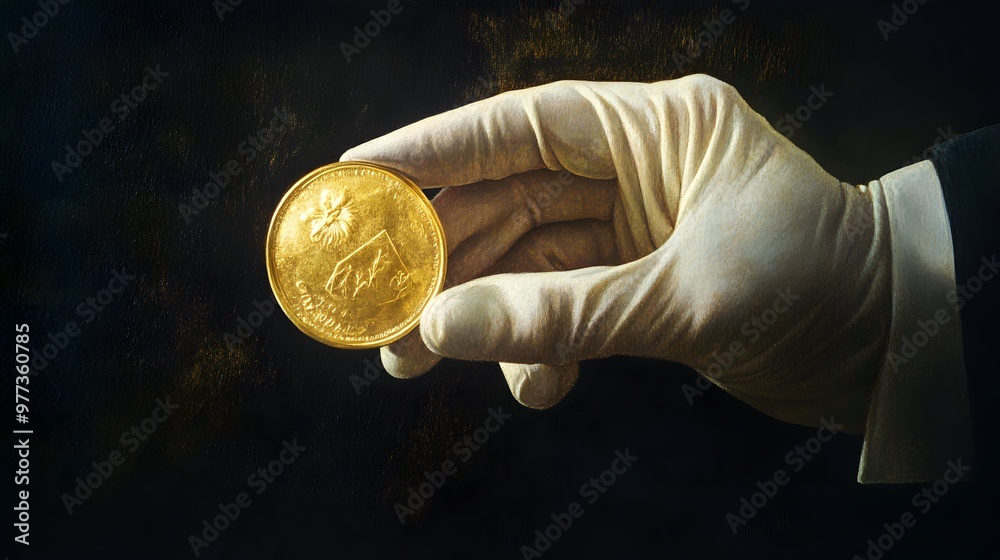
(969, 171)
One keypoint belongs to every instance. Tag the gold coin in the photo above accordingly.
(354, 254)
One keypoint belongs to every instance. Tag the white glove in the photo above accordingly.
(665, 220)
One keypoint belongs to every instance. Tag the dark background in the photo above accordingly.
(164, 335)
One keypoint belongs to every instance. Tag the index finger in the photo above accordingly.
(559, 126)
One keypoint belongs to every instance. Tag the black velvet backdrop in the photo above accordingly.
(197, 275)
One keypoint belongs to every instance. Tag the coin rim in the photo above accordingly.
(272, 274)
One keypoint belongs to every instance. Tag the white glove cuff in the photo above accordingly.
(918, 418)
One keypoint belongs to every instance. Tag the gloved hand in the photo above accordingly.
(664, 220)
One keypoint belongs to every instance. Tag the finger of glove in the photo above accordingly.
(549, 317)
(555, 247)
(556, 126)
(408, 357)
(539, 386)
(561, 246)
(520, 203)
(574, 244)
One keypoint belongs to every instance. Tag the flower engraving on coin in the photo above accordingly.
(330, 220)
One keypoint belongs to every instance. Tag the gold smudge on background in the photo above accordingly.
(602, 42)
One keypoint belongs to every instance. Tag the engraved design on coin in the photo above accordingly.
(330, 219)
(324, 313)
(373, 273)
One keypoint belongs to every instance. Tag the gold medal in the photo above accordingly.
(354, 254)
